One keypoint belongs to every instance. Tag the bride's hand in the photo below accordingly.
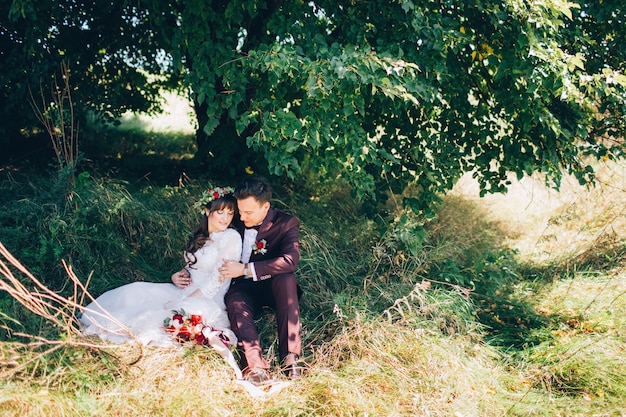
(181, 279)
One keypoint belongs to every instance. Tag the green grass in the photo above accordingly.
(511, 305)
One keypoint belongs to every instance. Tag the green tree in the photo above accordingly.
(387, 94)
(106, 46)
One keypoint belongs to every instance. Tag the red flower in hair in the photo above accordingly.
(210, 195)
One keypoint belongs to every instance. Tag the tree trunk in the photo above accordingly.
(224, 153)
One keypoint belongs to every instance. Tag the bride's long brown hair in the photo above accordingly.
(201, 234)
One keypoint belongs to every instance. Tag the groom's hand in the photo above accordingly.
(181, 279)
(231, 269)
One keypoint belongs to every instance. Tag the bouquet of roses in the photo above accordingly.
(184, 327)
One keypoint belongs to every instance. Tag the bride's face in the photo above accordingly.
(219, 220)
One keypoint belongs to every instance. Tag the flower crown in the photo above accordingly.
(211, 195)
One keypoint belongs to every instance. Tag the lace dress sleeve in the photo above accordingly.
(228, 247)
(231, 245)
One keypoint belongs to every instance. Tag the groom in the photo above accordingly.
(265, 277)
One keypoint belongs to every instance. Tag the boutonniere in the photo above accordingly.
(259, 247)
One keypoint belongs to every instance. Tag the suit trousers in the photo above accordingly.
(246, 297)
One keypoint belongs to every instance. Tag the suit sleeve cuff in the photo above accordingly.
(252, 271)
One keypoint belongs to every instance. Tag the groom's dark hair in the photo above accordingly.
(254, 186)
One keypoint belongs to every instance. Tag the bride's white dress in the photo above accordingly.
(136, 311)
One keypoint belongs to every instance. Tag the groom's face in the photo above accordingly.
(251, 211)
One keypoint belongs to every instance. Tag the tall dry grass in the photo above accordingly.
(479, 323)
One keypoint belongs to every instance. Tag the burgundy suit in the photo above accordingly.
(275, 287)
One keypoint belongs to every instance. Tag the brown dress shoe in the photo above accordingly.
(258, 376)
(292, 371)
(290, 367)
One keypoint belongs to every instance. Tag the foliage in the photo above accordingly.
(384, 94)
(107, 48)
(105, 230)
(425, 92)
(47, 365)
(388, 328)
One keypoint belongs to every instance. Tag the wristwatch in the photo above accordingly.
(245, 270)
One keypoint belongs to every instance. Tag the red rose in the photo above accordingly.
(200, 339)
(184, 331)
(178, 317)
(196, 319)
(216, 195)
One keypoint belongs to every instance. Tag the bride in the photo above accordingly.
(137, 311)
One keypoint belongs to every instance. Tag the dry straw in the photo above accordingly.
(59, 311)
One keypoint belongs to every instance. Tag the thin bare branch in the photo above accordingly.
(60, 311)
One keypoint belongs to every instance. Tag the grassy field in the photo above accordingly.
(514, 305)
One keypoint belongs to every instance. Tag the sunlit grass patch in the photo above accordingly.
(172, 381)
(484, 319)
(587, 303)
(177, 116)
(15, 400)
(588, 366)
(143, 144)
(403, 370)
(63, 366)
(580, 363)
(546, 226)
(575, 353)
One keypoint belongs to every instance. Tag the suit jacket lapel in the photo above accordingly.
(267, 223)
